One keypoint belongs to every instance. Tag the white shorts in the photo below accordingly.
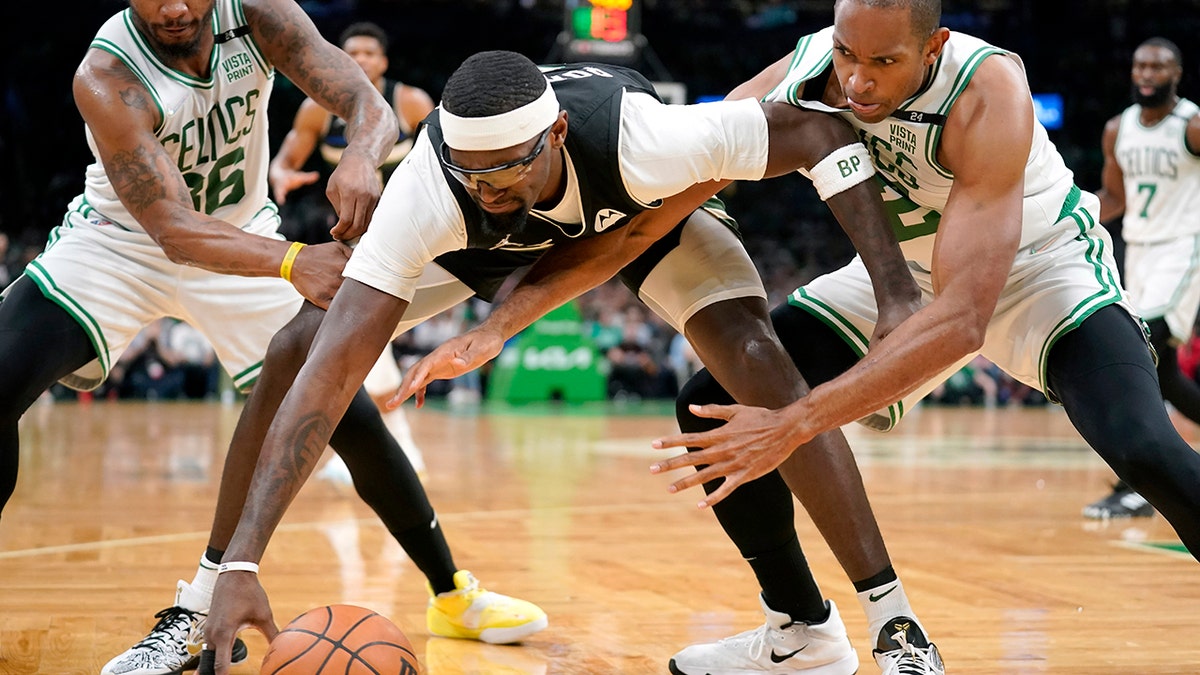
(709, 265)
(1163, 279)
(1048, 294)
(114, 282)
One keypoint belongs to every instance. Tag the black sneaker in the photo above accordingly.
(903, 649)
(1122, 502)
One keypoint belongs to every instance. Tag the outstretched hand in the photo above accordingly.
(457, 356)
(239, 602)
(751, 443)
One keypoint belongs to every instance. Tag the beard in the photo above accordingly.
(1162, 94)
(499, 225)
(174, 50)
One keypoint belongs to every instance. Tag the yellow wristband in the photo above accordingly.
(285, 268)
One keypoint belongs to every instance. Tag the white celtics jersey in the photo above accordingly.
(214, 128)
(904, 148)
(1162, 176)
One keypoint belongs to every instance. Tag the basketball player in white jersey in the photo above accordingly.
(1011, 264)
(1152, 178)
(175, 220)
(315, 128)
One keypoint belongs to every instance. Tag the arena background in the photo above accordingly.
(1080, 50)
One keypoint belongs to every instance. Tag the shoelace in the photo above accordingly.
(757, 642)
(757, 637)
(175, 619)
(912, 659)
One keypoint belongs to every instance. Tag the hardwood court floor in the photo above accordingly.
(980, 509)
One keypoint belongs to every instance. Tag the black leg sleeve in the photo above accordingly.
(758, 518)
(1179, 389)
(39, 344)
(1105, 377)
(388, 484)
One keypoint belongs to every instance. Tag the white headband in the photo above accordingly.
(505, 130)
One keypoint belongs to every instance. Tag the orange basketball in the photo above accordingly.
(341, 639)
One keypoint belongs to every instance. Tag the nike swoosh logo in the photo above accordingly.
(780, 658)
(876, 598)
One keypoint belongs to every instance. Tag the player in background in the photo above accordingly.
(1152, 179)
(175, 220)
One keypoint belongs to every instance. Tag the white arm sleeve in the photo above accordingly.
(417, 220)
(665, 149)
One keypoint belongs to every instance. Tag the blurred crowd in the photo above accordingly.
(707, 46)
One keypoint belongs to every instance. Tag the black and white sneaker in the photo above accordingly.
(1122, 502)
(172, 646)
(903, 649)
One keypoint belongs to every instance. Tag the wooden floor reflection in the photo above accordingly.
(980, 509)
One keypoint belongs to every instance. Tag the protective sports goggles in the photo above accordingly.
(497, 177)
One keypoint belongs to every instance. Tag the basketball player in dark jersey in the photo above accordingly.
(316, 129)
(495, 182)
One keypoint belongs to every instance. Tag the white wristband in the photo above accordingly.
(841, 170)
(238, 567)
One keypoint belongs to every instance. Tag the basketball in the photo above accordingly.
(341, 639)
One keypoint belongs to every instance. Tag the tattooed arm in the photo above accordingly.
(122, 118)
(352, 335)
(336, 83)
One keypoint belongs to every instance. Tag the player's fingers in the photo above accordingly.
(677, 462)
(713, 411)
(269, 628)
(682, 441)
(720, 493)
(340, 228)
(694, 479)
(395, 401)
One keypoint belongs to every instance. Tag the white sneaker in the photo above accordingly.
(780, 646)
(172, 646)
(903, 649)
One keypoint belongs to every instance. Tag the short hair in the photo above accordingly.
(1167, 45)
(491, 83)
(926, 15)
(364, 29)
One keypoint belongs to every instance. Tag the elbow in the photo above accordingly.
(972, 330)
(174, 253)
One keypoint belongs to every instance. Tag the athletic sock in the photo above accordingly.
(202, 586)
(884, 602)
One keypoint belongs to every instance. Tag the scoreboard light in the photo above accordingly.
(606, 20)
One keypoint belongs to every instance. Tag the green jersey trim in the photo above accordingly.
(1109, 294)
(847, 331)
(45, 283)
(171, 73)
(248, 377)
(797, 54)
(239, 13)
(111, 48)
(960, 85)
